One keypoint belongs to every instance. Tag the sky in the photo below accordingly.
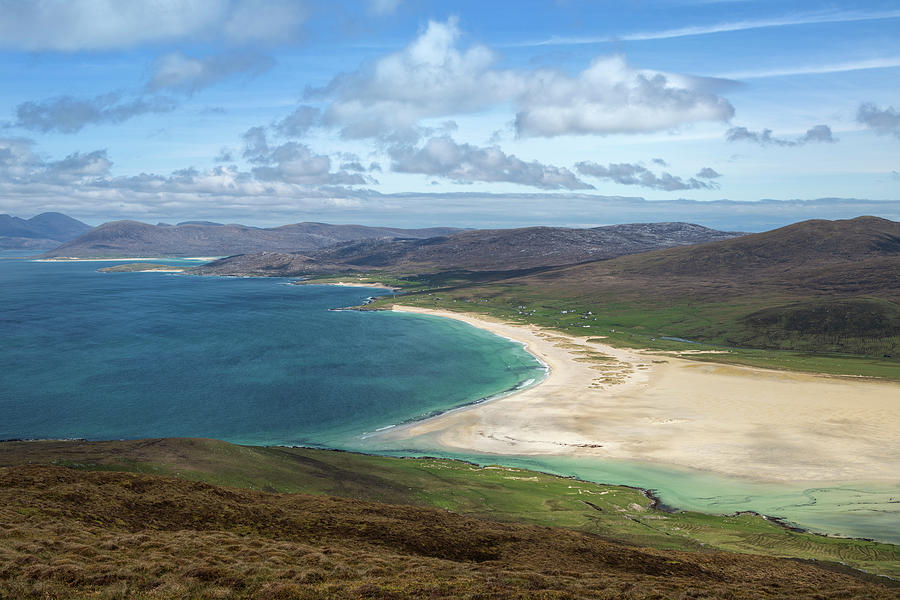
(736, 114)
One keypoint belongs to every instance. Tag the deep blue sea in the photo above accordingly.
(249, 360)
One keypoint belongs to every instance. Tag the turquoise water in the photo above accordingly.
(853, 509)
(255, 361)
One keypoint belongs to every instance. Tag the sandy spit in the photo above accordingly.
(133, 259)
(380, 286)
(634, 405)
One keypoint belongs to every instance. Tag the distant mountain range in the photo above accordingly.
(475, 250)
(132, 238)
(46, 230)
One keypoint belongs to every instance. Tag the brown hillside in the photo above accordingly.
(814, 286)
(802, 245)
(75, 534)
(475, 250)
(850, 257)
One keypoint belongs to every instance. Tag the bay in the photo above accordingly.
(248, 360)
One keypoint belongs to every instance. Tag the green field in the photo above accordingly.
(640, 326)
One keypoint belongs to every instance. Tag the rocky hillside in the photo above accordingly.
(132, 238)
(46, 230)
(477, 250)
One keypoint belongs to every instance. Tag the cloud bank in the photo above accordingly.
(172, 73)
(66, 114)
(434, 77)
(75, 25)
(632, 174)
(465, 163)
(817, 134)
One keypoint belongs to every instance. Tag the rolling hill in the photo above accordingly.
(132, 238)
(830, 286)
(91, 530)
(476, 250)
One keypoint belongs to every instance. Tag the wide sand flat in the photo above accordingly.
(634, 405)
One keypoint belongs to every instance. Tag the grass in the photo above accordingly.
(642, 326)
(504, 494)
(67, 534)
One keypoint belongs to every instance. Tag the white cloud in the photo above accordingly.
(429, 78)
(293, 163)
(632, 174)
(883, 121)
(74, 25)
(172, 72)
(19, 164)
(817, 134)
(299, 122)
(175, 71)
(433, 77)
(611, 97)
(67, 114)
(81, 186)
(441, 156)
(708, 173)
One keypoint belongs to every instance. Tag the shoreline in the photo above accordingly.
(68, 259)
(754, 424)
(377, 286)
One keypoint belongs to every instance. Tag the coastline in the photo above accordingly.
(632, 405)
(66, 259)
(377, 286)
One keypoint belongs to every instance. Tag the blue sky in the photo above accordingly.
(417, 112)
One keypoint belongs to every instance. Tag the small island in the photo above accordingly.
(142, 268)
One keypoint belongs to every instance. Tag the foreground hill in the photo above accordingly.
(813, 286)
(90, 532)
(478, 250)
(131, 238)
(46, 230)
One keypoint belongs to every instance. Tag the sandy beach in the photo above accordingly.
(623, 404)
(379, 286)
(132, 259)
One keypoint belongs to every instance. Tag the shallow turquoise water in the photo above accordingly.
(854, 509)
(255, 361)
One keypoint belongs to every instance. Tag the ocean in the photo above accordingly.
(247, 360)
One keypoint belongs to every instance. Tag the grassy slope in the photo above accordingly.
(502, 494)
(639, 324)
(73, 535)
